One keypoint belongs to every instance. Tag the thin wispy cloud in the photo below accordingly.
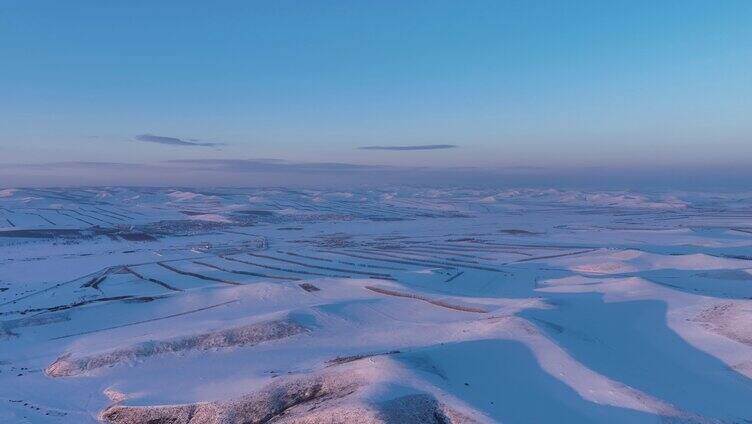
(271, 165)
(79, 165)
(418, 147)
(174, 141)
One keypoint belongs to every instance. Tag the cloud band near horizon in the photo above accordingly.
(418, 147)
(174, 141)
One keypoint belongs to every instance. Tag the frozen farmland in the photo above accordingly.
(131, 305)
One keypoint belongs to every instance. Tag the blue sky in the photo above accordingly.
(510, 83)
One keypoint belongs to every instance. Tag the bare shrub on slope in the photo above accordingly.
(729, 319)
(326, 397)
(436, 302)
(70, 365)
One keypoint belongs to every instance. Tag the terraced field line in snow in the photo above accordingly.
(147, 320)
(456, 248)
(428, 256)
(370, 274)
(389, 268)
(106, 213)
(76, 218)
(40, 216)
(299, 255)
(377, 259)
(153, 280)
(449, 280)
(428, 261)
(56, 308)
(282, 269)
(553, 256)
(91, 217)
(538, 246)
(92, 274)
(435, 251)
(255, 274)
(96, 281)
(193, 274)
(440, 303)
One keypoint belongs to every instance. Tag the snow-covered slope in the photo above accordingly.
(130, 305)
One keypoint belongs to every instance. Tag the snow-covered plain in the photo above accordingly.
(130, 305)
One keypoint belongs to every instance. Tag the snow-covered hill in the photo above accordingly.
(130, 305)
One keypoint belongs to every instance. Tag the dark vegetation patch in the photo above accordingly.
(254, 217)
(334, 240)
(309, 287)
(180, 227)
(137, 236)
(350, 358)
(71, 233)
(44, 233)
(256, 213)
(448, 214)
(387, 219)
(518, 232)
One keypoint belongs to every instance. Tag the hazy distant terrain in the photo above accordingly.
(132, 305)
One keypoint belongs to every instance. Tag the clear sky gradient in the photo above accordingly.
(510, 83)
